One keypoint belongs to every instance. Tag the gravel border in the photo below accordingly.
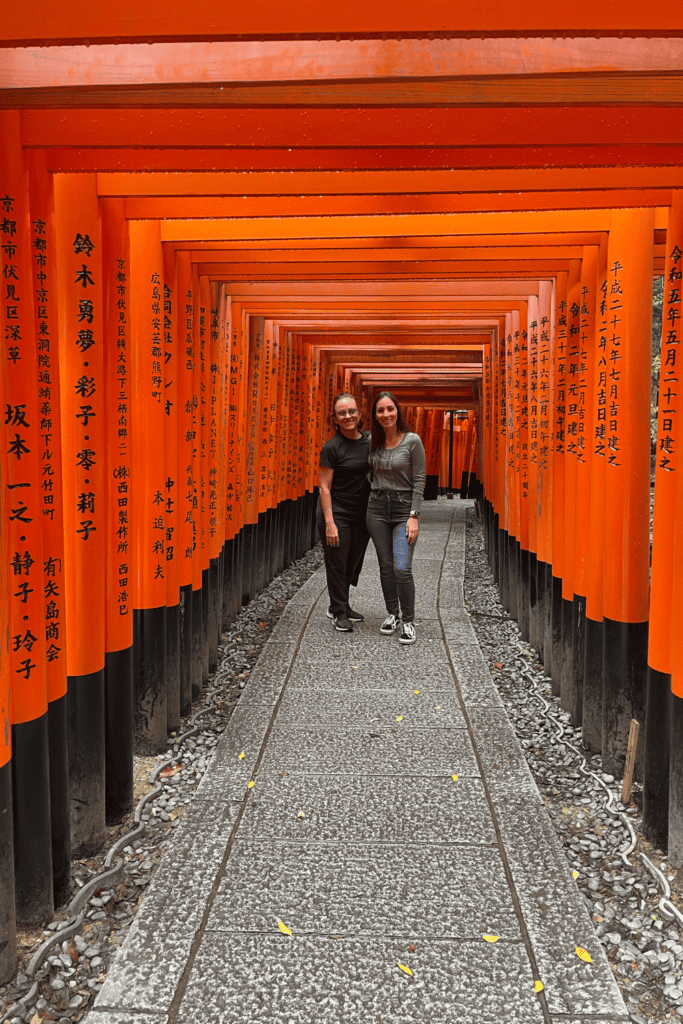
(644, 948)
(64, 987)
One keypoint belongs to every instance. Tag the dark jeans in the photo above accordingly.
(344, 563)
(386, 521)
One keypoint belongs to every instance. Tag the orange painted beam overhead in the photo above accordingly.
(266, 257)
(299, 183)
(322, 61)
(412, 224)
(81, 21)
(74, 155)
(458, 126)
(187, 207)
(563, 238)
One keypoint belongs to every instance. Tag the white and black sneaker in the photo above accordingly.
(408, 635)
(390, 624)
(343, 625)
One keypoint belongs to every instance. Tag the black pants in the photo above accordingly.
(343, 564)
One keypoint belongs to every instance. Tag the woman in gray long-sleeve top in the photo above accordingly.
(397, 457)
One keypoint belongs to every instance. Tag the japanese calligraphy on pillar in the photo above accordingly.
(121, 471)
(215, 374)
(668, 373)
(561, 378)
(613, 353)
(533, 392)
(573, 373)
(524, 412)
(601, 378)
(23, 447)
(50, 454)
(190, 449)
(582, 377)
(544, 393)
(170, 427)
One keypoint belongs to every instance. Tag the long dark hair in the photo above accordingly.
(378, 436)
(344, 394)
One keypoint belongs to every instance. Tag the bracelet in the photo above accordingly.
(414, 514)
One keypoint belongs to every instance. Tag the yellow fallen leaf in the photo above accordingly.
(300, 814)
(354, 666)
(405, 969)
(240, 756)
(251, 784)
(583, 954)
(575, 874)
(36, 1019)
(283, 927)
(416, 692)
(491, 938)
(399, 718)
(538, 987)
(455, 778)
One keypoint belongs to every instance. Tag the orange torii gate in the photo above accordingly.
(213, 311)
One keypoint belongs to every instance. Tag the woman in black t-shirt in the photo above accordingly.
(344, 491)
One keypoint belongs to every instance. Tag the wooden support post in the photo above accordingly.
(178, 685)
(546, 384)
(82, 385)
(581, 394)
(533, 455)
(189, 597)
(627, 547)
(148, 531)
(47, 335)
(592, 667)
(659, 663)
(118, 663)
(559, 448)
(8, 947)
(570, 414)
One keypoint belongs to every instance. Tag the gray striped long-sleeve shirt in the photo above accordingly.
(401, 468)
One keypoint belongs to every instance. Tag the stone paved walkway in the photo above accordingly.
(357, 837)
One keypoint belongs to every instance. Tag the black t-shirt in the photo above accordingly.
(349, 460)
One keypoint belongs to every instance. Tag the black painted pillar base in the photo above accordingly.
(58, 743)
(237, 568)
(173, 667)
(624, 687)
(431, 491)
(675, 843)
(281, 530)
(567, 694)
(185, 606)
(533, 599)
(249, 535)
(473, 486)
(149, 676)
(503, 569)
(197, 646)
(523, 593)
(8, 930)
(513, 576)
(206, 602)
(578, 657)
(541, 607)
(556, 636)
(656, 757)
(119, 717)
(591, 723)
(230, 582)
(33, 894)
(495, 545)
(464, 484)
(215, 605)
(85, 713)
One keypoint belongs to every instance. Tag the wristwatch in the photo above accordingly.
(413, 513)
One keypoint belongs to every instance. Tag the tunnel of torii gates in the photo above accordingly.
(213, 221)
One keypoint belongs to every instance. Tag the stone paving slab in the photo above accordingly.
(378, 751)
(376, 889)
(289, 980)
(391, 851)
(310, 675)
(390, 809)
(369, 708)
